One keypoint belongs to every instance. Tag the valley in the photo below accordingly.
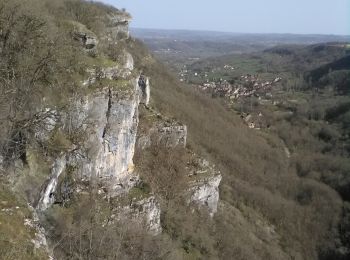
(296, 95)
(120, 143)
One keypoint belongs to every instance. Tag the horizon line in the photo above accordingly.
(228, 32)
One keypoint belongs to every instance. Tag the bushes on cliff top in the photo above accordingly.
(91, 14)
(40, 63)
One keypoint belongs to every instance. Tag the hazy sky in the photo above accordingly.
(252, 16)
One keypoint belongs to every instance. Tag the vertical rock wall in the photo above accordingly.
(110, 121)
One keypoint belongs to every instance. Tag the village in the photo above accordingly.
(236, 91)
(247, 86)
(240, 86)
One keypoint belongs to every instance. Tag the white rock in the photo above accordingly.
(206, 193)
(151, 212)
(47, 197)
(128, 61)
(167, 135)
(147, 212)
(144, 86)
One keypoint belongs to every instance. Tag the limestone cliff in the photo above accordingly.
(87, 146)
(107, 117)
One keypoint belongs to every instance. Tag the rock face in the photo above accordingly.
(106, 119)
(145, 211)
(109, 120)
(204, 190)
(89, 41)
(173, 135)
(86, 37)
(118, 71)
(145, 88)
(111, 123)
(47, 197)
(166, 134)
(128, 61)
(151, 211)
(39, 240)
(119, 26)
(204, 187)
(206, 193)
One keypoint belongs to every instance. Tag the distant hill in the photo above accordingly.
(314, 51)
(182, 46)
(266, 39)
(278, 59)
(336, 73)
(340, 64)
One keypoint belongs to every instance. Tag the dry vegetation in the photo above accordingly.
(84, 229)
(257, 174)
(271, 208)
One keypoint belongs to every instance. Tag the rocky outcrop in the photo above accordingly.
(147, 212)
(109, 118)
(145, 89)
(172, 135)
(205, 193)
(204, 188)
(86, 37)
(165, 134)
(1, 163)
(144, 212)
(39, 240)
(106, 120)
(47, 197)
(119, 26)
(121, 70)
(128, 61)
(150, 212)
(90, 142)
(89, 41)
(204, 177)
